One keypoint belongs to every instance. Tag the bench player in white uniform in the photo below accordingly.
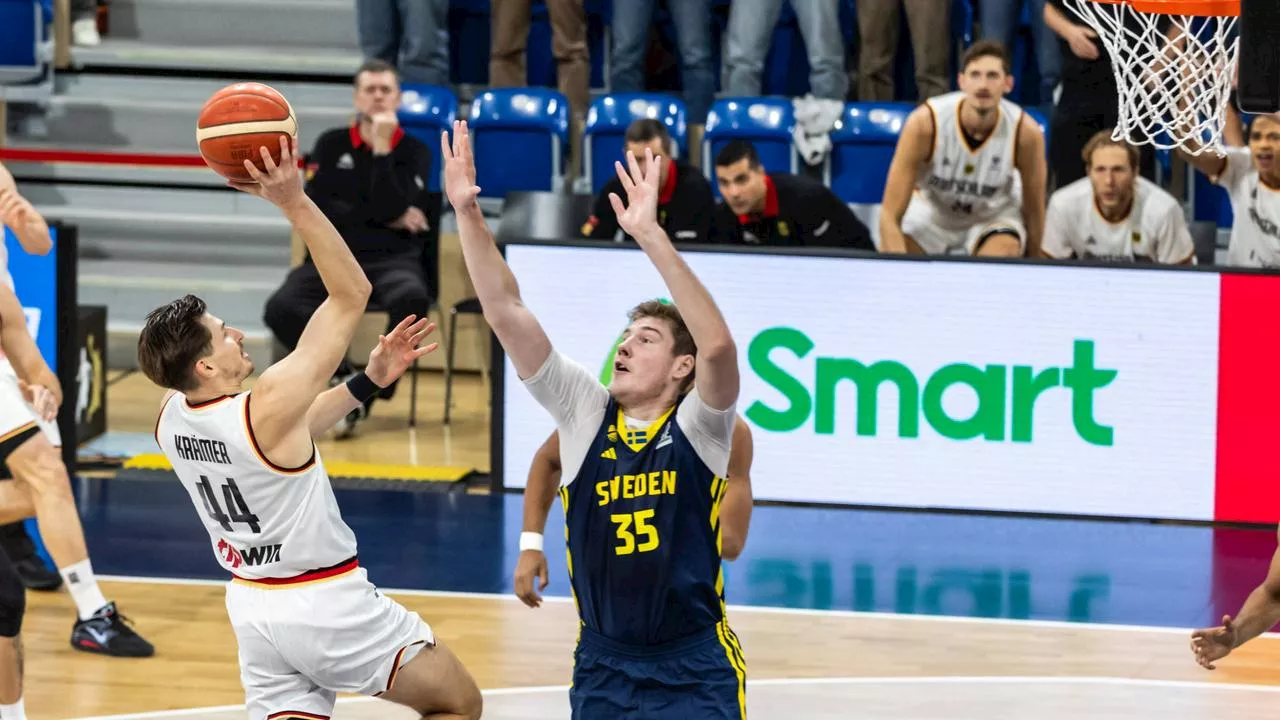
(1113, 214)
(308, 622)
(41, 487)
(969, 170)
(1251, 176)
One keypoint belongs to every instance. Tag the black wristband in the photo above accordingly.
(362, 388)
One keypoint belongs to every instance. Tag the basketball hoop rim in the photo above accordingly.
(1195, 8)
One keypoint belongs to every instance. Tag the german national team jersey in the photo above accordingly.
(642, 506)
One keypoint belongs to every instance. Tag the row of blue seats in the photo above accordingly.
(520, 136)
(26, 49)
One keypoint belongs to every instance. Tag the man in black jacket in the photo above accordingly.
(370, 180)
(685, 202)
(762, 208)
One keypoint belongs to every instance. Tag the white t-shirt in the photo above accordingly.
(577, 401)
(1155, 229)
(1255, 235)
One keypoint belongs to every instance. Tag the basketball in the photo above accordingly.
(237, 121)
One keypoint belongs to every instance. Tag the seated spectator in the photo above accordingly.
(969, 170)
(1113, 214)
(413, 37)
(685, 202)
(1251, 176)
(763, 208)
(369, 179)
(750, 33)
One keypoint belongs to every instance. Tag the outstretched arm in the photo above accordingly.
(16, 213)
(717, 359)
(1260, 612)
(517, 329)
(286, 391)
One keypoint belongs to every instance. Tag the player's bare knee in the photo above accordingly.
(1000, 244)
(38, 465)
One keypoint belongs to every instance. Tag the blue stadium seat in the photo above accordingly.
(767, 123)
(607, 123)
(862, 146)
(26, 50)
(425, 110)
(519, 139)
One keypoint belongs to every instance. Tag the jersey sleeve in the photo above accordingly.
(710, 431)
(1239, 161)
(1173, 240)
(1055, 242)
(576, 401)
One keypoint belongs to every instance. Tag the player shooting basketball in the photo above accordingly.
(308, 622)
(969, 170)
(643, 466)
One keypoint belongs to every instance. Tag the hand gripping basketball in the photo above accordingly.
(281, 184)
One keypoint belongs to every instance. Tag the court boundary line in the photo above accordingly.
(762, 609)
(785, 682)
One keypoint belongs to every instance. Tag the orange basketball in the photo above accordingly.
(237, 121)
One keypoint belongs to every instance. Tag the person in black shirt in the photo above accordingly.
(685, 202)
(762, 208)
(369, 179)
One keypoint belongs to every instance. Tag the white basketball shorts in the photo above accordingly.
(15, 414)
(939, 233)
(302, 643)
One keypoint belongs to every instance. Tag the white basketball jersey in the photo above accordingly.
(970, 184)
(263, 521)
(1155, 229)
(1255, 232)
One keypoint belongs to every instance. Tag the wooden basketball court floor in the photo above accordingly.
(841, 613)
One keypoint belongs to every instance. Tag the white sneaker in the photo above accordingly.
(85, 32)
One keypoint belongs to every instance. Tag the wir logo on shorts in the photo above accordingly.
(252, 556)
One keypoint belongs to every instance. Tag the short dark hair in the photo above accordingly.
(171, 342)
(374, 65)
(986, 48)
(683, 343)
(1103, 139)
(737, 150)
(647, 129)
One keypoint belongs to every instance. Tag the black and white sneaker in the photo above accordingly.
(108, 633)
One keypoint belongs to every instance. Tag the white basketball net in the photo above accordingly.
(1174, 73)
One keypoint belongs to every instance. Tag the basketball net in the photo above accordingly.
(1174, 72)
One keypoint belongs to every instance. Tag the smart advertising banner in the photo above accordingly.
(1110, 391)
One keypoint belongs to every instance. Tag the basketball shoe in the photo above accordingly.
(108, 633)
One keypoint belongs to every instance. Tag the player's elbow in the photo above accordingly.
(355, 293)
(731, 544)
(719, 349)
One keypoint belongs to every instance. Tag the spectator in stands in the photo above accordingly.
(369, 179)
(1089, 101)
(685, 202)
(762, 208)
(1251, 176)
(751, 25)
(510, 23)
(1113, 214)
(1001, 19)
(692, 18)
(969, 171)
(84, 23)
(879, 27)
(411, 35)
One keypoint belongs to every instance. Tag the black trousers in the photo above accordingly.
(399, 289)
(15, 541)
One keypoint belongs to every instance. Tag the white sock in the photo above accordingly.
(13, 712)
(84, 588)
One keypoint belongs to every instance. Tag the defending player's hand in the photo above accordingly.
(532, 563)
(459, 167)
(41, 399)
(640, 215)
(281, 184)
(397, 350)
(1213, 644)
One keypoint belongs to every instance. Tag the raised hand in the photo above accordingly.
(398, 349)
(281, 184)
(459, 167)
(1213, 644)
(640, 215)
